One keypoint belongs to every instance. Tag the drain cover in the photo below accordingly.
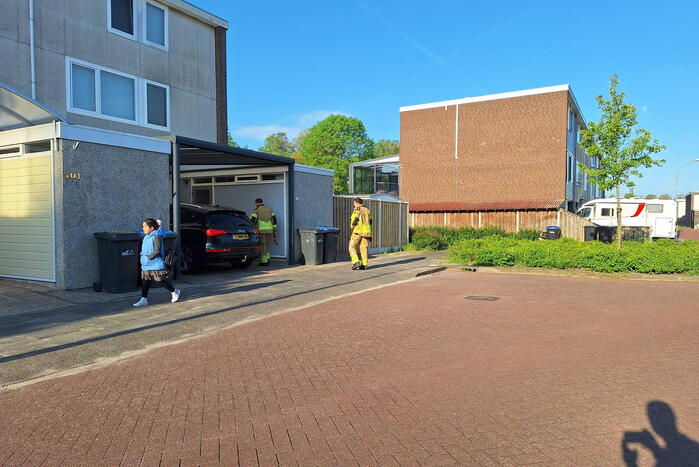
(482, 298)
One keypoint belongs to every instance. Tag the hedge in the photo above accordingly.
(660, 257)
(441, 238)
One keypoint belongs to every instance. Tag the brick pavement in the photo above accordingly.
(553, 372)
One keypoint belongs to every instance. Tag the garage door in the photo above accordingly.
(26, 217)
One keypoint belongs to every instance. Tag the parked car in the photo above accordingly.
(216, 234)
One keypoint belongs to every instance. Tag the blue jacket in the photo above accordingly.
(157, 263)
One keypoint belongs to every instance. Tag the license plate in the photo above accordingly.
(240, 236)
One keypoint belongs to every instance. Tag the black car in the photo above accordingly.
(216, 234)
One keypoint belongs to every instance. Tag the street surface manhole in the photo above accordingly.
(481, 298)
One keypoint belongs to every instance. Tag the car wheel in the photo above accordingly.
(241, 264)
(187, 262)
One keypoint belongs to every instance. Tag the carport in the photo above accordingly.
(225, 173)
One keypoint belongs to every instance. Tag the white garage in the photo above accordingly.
(26, 213)
(26, 190)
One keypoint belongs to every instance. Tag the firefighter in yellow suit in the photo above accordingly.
(361, 234)
(266, 222)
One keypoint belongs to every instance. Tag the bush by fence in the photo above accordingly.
(441, 238)
(660, 257)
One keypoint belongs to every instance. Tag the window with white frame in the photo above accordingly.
(145, 21)
(105, 93)
(155, 24)
(122, 17)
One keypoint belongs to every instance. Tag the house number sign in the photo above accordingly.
(73, 175)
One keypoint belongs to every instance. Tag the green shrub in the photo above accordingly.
(661, 257)
(440, 238)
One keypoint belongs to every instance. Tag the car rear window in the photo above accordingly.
(228, 220)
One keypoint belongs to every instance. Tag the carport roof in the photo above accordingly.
(197, 152)
(18, 110)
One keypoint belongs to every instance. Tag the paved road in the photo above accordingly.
(529, 369)
(96, 327)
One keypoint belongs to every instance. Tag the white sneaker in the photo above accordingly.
(175, 295)
(141, 302)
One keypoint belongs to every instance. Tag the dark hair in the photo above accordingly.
(150, 222)
(358, 200)
(258, 200)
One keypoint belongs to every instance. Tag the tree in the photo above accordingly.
(651, 197)
(611, 141)
(629, 195)
(279, 144)
(334, 143)
(664, 196)
(386, 147)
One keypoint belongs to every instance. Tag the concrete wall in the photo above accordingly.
(78, 29)
(117, 189)
(313, 203)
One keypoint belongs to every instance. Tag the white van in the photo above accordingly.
(658, 214)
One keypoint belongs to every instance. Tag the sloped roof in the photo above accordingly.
(518, 205)
(18, 110)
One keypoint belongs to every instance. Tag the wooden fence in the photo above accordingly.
(572, 226)
(389, 223)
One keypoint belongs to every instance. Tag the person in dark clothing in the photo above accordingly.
(153, 268)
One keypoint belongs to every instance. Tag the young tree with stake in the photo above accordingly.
(612, 142)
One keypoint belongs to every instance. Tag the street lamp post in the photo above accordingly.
(677, 216)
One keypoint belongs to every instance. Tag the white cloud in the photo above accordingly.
(300, 123)
(308, 119)
(260, 132)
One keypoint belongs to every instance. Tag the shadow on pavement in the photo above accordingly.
(395, 263)
(20, 356)
(42, 320)
(679, 450)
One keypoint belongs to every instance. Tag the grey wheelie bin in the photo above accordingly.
(332, 234)
(118, 258)
(312, 245)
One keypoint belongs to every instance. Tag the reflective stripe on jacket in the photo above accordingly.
(361, 222)
(264, 218)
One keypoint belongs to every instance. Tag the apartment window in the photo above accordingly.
(156, 104)
(145, 21)
(156, 24)
(570, 167)
(570, 119)
(118, 95)
(83, 88)
(105, 93)
(122, 16)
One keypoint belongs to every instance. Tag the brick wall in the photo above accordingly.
(221, 87)
(508, 150)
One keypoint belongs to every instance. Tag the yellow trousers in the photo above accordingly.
(357, 241)
(265, 239)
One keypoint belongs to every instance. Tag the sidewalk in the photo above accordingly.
(46, 331)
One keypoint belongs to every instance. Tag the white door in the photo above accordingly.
(26, 217)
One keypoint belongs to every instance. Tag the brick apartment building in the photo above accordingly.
(510, 151)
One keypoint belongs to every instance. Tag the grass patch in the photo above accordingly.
(660, 257)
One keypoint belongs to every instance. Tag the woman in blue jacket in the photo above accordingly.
(152, 262)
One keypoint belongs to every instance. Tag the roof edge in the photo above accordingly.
(488, 97)
(183, 140)
(196, 12)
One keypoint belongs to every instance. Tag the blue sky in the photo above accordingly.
(291, 64)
